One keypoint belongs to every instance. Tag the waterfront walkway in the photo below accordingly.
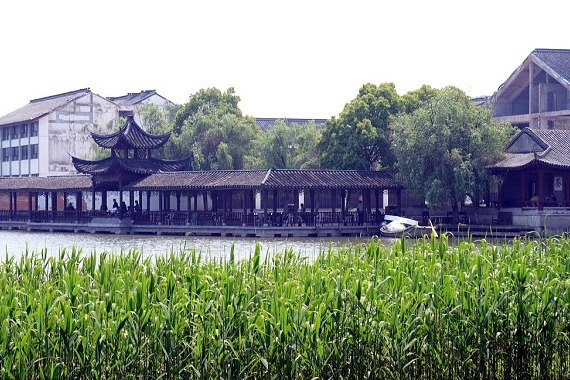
(238, 224)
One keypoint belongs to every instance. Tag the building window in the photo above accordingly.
(24, 152)
(5, 154)
(14, 132)
(15, 153)
(34, 128)
(34, 151)
(6, 133)
(23, 130)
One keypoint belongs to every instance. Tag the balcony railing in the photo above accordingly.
(200, 218)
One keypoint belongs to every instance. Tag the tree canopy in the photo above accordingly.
(211, 128)
(204, 102)
(444, 145)
(360, 137)
(289, 146)
(156, 120)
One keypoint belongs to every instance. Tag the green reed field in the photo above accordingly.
(427, 310)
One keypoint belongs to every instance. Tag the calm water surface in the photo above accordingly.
(15, 243)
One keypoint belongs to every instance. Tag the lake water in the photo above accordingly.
(16, 242)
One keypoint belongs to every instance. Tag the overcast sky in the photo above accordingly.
(294, 58)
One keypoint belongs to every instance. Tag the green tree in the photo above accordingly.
(204, 102)
(443, 147)
(211, 128)
(360, 137)
(155, 120)
(289, 146)
(415, 99)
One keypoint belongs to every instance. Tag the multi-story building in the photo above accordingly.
(537, 94)
(39, 138)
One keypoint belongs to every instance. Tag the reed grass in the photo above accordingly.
(428, 310)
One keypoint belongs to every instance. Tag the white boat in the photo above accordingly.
(400, 226)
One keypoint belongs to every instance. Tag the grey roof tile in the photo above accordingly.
(557, 59)
(40, 107)
(267, 179)
(69, 183)
(130, 136)
(132, 99)
(554, 152)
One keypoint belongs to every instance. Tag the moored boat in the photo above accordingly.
(399, 226)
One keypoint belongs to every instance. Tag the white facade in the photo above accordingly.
(40, 138)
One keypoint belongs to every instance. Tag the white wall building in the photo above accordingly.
(40, 138)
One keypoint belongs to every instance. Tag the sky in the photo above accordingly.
(284, 59)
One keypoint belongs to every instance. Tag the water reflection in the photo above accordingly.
(15, 243)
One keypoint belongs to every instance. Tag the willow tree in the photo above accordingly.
(289, 146)
(443, 147)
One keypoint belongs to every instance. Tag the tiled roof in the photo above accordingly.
(138, 166)
(42, 106)
(69, 183)
(266, 122)
(217, 179)
(130, 136)
(557, 59)
(269, 179)
(132, 99)
(321, 179)
(553, 150)
(202, 180)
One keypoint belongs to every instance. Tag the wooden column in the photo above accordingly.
(399, 201)
(120, 194)
(104, 206)
(524, 193)
(333, 205)
(377, 193)
(132, 203)
(79, 205)
(312, 200)
(93, 207)
(160, 206)
(188, 208)
(29, 206)
(11, 205)
(530, 92)
(367, 204)
(53, 205)
(265, 204)
(296, 206)
(541, 188)
(275, 201)
(245, 208)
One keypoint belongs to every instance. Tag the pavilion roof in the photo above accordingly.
(130, 136)
(60, 183)
(269, 179)
(116, 164)
(549, 147)
(217, 180)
